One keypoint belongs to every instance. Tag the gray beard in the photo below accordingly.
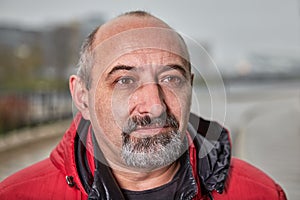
(154, 151)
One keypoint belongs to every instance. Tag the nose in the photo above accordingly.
(148, 100)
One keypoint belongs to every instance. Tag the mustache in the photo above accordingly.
(163, 121)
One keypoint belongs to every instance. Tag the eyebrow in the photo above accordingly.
(176, 67)
(166, 68)
(121, 67)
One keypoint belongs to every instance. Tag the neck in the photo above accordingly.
(139, 181)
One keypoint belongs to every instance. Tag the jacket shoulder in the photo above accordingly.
(249, 182)
(39, 181)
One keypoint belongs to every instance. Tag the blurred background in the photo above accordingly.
(254, 44)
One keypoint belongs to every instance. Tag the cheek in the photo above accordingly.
(106, 126)
(111, 109)
(179, 102)
(119, 104)
(102, 110)
(101, 103)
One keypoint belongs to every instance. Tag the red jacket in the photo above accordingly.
(57, 177)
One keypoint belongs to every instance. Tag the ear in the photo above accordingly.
(192, 79)
(79, 94)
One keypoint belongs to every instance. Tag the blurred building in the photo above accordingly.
(46, 54)
(264, 67)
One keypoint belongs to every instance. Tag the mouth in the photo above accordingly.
(146, 131)
(146, 126)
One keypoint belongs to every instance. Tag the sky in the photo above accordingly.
(233, 29)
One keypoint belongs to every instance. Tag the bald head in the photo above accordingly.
(125, 22)
(117, 31)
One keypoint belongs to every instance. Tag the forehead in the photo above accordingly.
(150, 42)
(148, 57)
(135, 37)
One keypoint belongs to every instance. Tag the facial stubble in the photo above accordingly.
(153, 151)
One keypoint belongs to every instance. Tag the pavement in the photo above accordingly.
(269, 138)
(21, 148)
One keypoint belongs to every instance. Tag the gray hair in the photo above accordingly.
(86, 58)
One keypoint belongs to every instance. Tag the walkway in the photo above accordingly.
(270, 139)
(24, 147)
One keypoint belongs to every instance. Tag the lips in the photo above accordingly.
(149, 132)
(153, 126)
(149, 125)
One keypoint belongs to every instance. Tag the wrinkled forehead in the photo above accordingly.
(162, 39)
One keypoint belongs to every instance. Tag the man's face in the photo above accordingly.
(140, 103)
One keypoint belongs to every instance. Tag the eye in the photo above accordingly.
(172, 80)
(125, 81)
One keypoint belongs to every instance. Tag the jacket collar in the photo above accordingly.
(213, 149)
(210, 154)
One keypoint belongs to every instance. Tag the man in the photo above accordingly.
(134, 136)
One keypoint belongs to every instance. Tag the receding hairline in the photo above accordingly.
(125, 22)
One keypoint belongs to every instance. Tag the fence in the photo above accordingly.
(27, 109)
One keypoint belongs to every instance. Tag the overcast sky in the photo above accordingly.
(233, 28)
